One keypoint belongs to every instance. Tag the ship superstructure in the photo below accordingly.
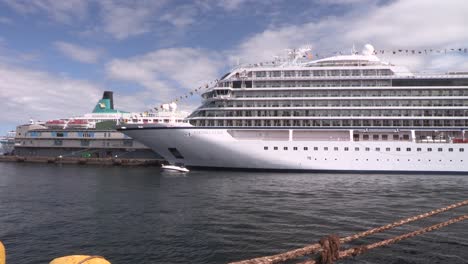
(347, 112)
(7, 143)
(91, 135)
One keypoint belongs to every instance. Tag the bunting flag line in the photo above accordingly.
(310, 56)
(190, 93)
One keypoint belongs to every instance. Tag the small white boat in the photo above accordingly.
(174, 168)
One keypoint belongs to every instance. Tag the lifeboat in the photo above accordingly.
(78, 123)
(56, 123)
(460, 140)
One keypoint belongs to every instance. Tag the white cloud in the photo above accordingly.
(181, 16)
(230, 5)
(120, 19)
(12, 56)
(27, 93)
(419, 23)
(78, 53)
(415, 24)
(346, 2)
(39, 95)
(5, 20)
(123, 20)
(273, 41)
(451, 62)
(166, 73)
(61, 11)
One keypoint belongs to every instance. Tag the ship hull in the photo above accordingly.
(235, 149)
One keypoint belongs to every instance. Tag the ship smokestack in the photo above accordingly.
(109, 95)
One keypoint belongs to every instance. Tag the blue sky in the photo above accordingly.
(57, 57)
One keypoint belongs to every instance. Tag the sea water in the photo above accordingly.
(145, 215)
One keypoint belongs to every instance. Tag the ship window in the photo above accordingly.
(59, 134)
(346, 149)
(294, 148)
(387, 149)
(356, 149)
(285, 148)
(375, 137)
(275, 148)
(315, 148)
(367, 149)
(406, 137)
(439, 149)
(236, 84)
(86, 134)
(461, 149)
(325, 148)
(289, 73)
(395, 137)
(84, 142)
(398, 149)
(34, 134)
(450, 149)
(306, 148)
(305, 73)
(265, 148)
(418, 149)
(408, 149)
(260, 74)
(58, 142)
(377, 149)
(275, 74)
(335, 148)
(175, 153)
(356, 137)
(429, 149)
(365, 137)
(384, 137)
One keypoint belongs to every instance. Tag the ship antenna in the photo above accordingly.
(353, 51)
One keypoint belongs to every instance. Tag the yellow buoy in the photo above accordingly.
(79, 259)
(2, 253)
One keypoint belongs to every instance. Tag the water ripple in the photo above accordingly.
(141, 215)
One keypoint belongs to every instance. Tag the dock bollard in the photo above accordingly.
(79, 259)
(2, 254)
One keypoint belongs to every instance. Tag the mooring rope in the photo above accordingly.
(330, 249)
(313, 248)
(360, 250)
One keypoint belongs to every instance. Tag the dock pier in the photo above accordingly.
(83, 161)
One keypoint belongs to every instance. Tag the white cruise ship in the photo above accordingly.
(342, 113)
